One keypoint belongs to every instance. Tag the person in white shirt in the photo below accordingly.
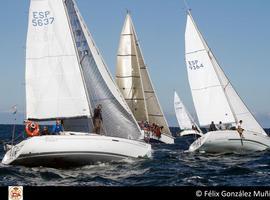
(239, 128)
(221, 126)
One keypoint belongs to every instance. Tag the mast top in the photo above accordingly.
(188, 9)
(128, 11)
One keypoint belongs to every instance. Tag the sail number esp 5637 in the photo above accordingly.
(42, 18)
(194, 65)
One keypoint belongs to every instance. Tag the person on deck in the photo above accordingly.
(97, 119)
(212, 127)
(141, 124)
(156, 130)
(240, 129)
(221, 126)
(45, 131)
(57, 128)
(195, 128)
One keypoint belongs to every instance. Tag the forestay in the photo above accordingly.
(214, 97)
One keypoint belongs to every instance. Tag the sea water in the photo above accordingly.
(170, 165)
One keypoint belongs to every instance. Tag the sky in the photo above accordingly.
(236, 31)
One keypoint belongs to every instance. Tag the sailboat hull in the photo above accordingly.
(190, 132)
(74, 150)
(164, 138)
(229, 141)
(167, 139)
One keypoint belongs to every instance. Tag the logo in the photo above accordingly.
(15, 193)
(198, 193)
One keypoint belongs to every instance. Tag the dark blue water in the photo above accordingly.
(169, 166)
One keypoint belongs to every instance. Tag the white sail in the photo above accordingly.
(184, 119)
(208, 95)
(240, 110)
(118, 120)
(132, 64)
(214, 97)
(54, 86)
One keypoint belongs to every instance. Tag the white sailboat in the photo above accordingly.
(66, 78)
(216, 100)
(135, 84)
(185, 120)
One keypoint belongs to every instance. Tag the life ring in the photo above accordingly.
(32, 129)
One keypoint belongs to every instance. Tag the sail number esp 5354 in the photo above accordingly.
(194, 65)
(42, 18)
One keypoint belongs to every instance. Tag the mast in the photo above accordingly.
(135, 43)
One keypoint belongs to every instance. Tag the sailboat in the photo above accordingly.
(66, 78)
(185, 120)
(216, 100)
(135, 84)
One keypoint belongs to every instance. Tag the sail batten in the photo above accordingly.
(213, 95)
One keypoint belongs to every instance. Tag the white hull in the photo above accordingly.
(229, 141)
(74, 150)
(164, 138)
(190, 132)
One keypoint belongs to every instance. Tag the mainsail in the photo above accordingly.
(214, 96)
(134, 81)
(184, 118)
(54, 85)
(97, 84)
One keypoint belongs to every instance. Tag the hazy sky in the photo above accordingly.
(237, 31)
